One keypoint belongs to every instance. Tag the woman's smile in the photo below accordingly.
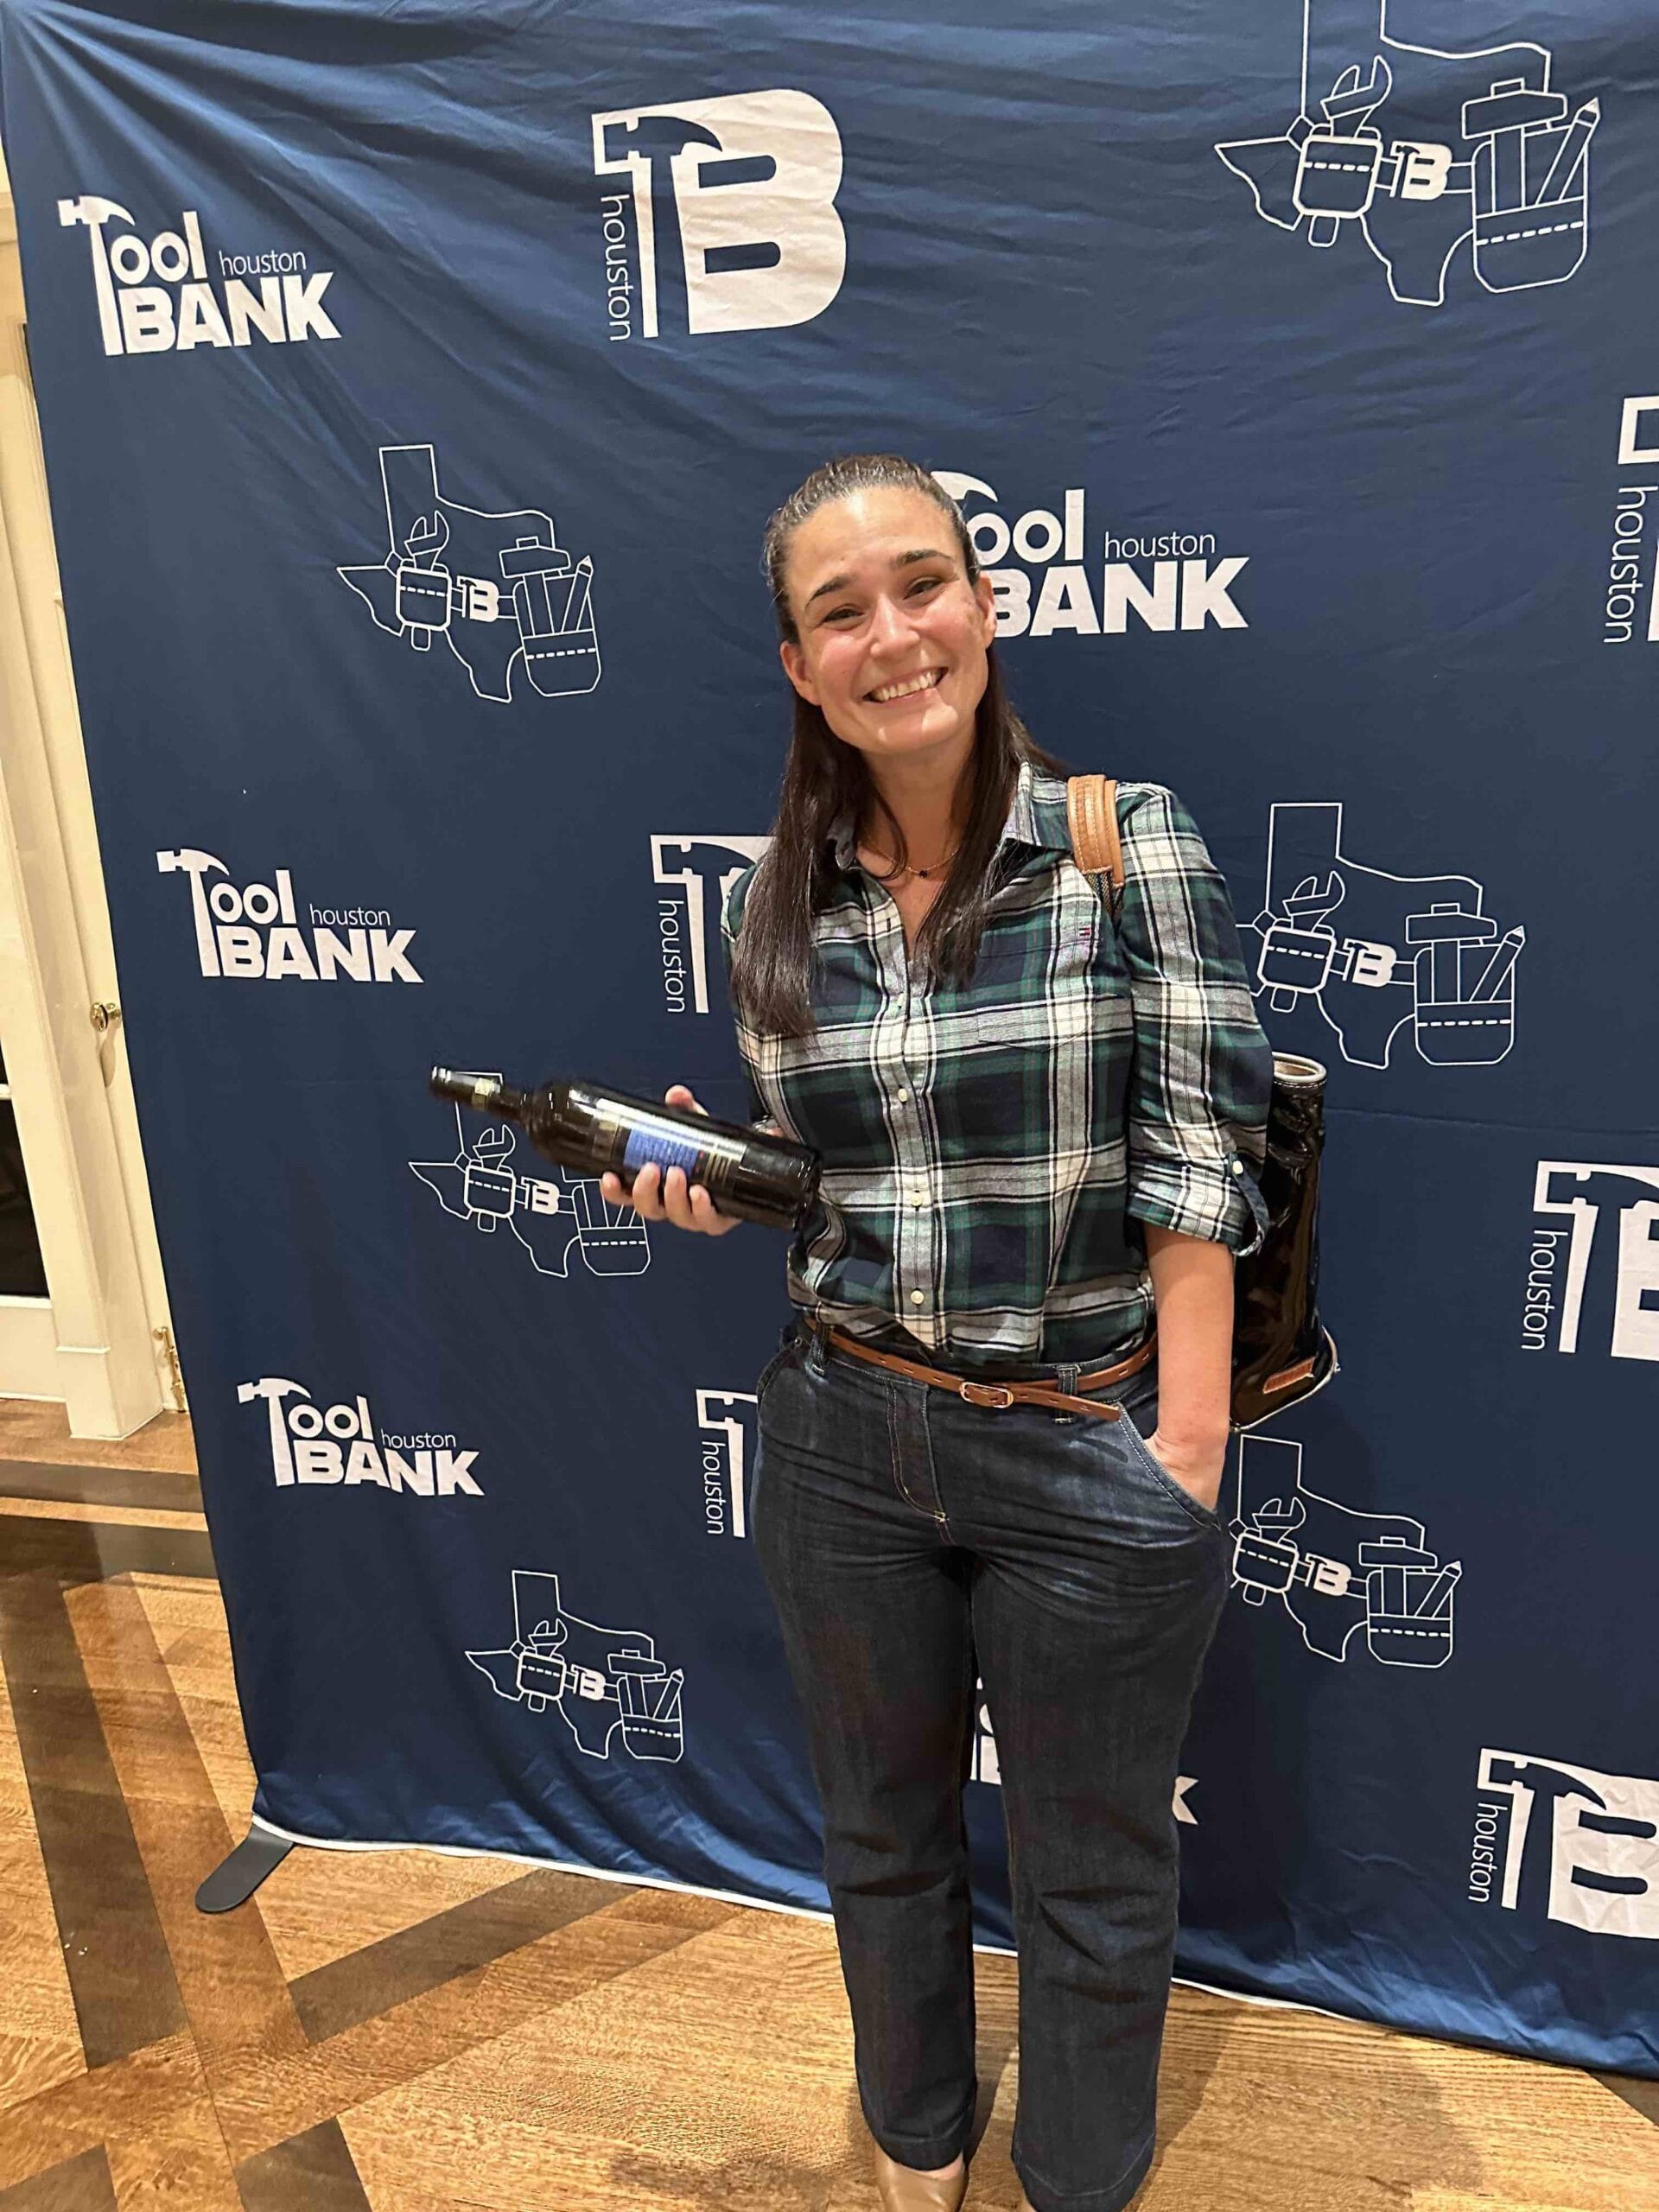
(906, 687)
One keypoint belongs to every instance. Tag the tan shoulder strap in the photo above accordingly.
(1091, 816)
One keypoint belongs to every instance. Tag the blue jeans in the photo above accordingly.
(910, 1540)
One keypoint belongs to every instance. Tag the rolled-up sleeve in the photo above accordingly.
(1202, 1073)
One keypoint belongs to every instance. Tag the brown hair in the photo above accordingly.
(824, 777)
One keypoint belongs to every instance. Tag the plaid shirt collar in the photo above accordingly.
(1036, 818)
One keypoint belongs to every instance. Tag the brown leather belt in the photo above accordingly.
(998, 1396)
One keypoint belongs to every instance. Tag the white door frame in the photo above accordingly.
(111, 1361)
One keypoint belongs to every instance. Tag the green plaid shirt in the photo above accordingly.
(990, 1149)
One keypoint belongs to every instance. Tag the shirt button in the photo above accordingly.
(1238, 1168)
(903, 1098)
(917, 1298)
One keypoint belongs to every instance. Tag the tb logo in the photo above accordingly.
(733, 208)
(1582, 1847)
(1579, 1192)
(692, 869)
(727, 1422)
(1637, 444)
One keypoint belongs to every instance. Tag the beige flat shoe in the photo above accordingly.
(902, 2189)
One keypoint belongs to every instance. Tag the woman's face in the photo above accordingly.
(892, 635)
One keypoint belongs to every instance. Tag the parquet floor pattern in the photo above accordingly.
(415, 2033)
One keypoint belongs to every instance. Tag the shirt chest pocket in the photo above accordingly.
(1025, 960)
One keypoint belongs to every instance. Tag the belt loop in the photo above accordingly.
(1066, 1381)
(816, 1358)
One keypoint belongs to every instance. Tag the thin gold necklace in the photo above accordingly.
(925, 873)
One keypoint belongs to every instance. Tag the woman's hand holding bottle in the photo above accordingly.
(655, 1196)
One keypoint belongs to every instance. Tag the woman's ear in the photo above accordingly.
(794, 662)
(987, 597)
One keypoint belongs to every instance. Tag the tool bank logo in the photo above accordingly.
(254, 933)
(1592, 1261)
(1567, 1843)
(339, 1445)
(726, 217)
(1054, 571)
(171, 293)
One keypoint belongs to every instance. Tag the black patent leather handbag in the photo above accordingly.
(1283, 1352)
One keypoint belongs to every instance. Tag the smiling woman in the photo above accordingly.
(887, 627)
(1034, 1113)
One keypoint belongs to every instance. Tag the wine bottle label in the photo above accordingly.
(645, 1146)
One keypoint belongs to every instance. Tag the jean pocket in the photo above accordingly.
(775, 1365)
(1142, 1453)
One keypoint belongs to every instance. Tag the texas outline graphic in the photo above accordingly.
(1376, 953)
(498, 588)
(1420, 147)
(601, 1678)
(1338, 1570)
(479, 1183)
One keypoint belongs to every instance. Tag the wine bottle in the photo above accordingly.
(590, 1130)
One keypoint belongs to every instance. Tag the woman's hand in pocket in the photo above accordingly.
(1197, 1469)
(657, 1197)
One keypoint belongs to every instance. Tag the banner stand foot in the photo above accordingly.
(234, 1880)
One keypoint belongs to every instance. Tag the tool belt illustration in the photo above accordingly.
(1373, 953)
(549, 1215)
(1338, 1572)
(511, 606)
(602, 1681)
(1417, 149)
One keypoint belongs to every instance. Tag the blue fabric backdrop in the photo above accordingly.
(415, 384)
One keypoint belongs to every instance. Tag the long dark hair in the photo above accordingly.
(822, 777)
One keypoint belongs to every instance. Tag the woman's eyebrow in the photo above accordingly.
(899, 561)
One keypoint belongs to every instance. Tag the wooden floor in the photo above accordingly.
(422, 2034)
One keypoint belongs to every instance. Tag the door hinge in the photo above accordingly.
(168, 1352)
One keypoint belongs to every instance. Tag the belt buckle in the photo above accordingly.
(995, 1396)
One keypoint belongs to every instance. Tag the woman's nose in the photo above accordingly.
(890, 626)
